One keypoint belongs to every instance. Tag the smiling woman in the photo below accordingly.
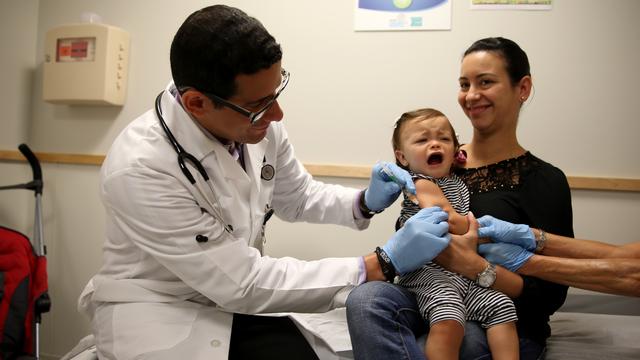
(507, 181)
(504, 180)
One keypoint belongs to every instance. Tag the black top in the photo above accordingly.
(526, 190)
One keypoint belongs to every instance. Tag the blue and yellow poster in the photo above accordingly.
(391, 15)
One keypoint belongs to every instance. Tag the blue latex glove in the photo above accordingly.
(509, 256)
(501, 231)
(420, 240)
(387, 181)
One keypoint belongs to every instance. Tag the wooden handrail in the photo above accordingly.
(56, 158)
(341, 171)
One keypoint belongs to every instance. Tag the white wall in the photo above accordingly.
(347, 88)
(346, 83)
(17, 66)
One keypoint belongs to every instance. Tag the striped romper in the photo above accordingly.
(444, 295)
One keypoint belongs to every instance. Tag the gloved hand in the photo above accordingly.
(501, 231)
(384, 188)
(509, 256)
(420, 240)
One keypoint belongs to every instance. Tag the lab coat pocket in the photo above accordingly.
(140, 328)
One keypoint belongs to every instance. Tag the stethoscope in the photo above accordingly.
(266, 173)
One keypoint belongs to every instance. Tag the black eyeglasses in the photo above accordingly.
(253, 115)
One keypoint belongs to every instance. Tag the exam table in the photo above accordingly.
(587, 327)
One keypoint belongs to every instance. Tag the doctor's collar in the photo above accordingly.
(177, 92)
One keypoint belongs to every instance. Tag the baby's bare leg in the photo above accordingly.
(444, 339)
(503, 341)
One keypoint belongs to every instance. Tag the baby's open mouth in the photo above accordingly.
(434, 159)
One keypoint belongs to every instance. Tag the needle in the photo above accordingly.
(387, 175)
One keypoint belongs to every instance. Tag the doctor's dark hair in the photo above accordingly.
(216, 44)
(516, 60)
(424, 114)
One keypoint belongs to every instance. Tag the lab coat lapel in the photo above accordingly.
(194, 139)
(253, 162)
(231, 168)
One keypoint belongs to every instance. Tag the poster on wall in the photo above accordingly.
(396, 15)
(511, 4)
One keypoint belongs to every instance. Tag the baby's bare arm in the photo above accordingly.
(429, 194)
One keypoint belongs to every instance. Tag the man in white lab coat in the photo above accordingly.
(188, 188)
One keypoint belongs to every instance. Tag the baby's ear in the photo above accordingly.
(400, 157)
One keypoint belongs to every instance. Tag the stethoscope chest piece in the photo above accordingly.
(267, 172)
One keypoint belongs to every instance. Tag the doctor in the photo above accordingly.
(188, 188)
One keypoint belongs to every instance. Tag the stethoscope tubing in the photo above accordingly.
(183, 158)
(267, 172)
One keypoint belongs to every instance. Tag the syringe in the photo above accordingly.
(388, 175)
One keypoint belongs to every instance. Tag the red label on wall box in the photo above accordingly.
(79, 49)
(76, 49)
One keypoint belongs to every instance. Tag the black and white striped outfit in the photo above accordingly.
(444, 295)
(453, 189)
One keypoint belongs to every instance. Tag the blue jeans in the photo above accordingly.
(384, 321)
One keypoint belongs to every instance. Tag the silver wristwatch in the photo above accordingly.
(487, 277)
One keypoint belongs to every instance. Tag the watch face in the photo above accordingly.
(487, 277)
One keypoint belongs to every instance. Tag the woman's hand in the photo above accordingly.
(461, 256)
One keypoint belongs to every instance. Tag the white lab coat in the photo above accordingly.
(163, 295)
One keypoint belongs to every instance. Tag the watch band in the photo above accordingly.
(541, 240)
(366, 212)
(388, 270)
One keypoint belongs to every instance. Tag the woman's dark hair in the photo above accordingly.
(516, 60)
(217, 43)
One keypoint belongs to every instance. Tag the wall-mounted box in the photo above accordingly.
(86, 64)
